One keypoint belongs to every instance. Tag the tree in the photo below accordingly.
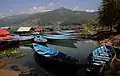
(109, 13)
(106, 13)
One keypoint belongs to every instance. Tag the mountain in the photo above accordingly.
(62, 15)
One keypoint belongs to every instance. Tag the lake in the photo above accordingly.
(28, 65)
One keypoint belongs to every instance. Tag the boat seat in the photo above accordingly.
(101, 58)
(104, 54)
(97, 61)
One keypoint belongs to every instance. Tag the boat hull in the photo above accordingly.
(52, 56)
(8, 43)
(24, 39)
(51, 62)
(50, 39)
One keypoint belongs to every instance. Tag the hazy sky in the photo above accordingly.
(11, 7)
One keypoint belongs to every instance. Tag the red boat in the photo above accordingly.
(6, 41)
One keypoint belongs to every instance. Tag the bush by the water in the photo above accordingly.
(12, 52)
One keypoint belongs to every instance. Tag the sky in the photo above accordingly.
(14, 7)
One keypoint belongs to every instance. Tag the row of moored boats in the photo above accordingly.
(99, 56)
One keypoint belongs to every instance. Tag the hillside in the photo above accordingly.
(62, 15)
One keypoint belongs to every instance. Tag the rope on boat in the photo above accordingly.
(117, 59)
(101, 69)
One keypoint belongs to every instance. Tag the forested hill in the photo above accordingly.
(61, 14)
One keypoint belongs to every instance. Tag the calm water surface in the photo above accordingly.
(27, 63)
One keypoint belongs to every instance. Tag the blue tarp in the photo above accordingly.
(45, 51)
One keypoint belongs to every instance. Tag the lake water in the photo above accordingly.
(30, 67)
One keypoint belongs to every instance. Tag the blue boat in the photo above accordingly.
(53, 55)
(60, 37)
(100, 57)
(40, 39)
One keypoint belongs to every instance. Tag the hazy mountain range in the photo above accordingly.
(61, 15)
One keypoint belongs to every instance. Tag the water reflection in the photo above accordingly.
(64, 43)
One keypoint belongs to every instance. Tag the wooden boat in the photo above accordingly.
(68, 59)
(23, 38)
(100, 58)
(40, 39)
(4, 44)
(60, 37)
(53, 56)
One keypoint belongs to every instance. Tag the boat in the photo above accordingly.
(63, 33)
(4, 44)
(23, 38)
(100, 58)
(60, 37)
(66, 32)
(53, 56)
(40, 39)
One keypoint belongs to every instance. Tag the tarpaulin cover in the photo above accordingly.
(45, 51)
(39, 29)
(3, 32)
(24, 29)
(4, 35)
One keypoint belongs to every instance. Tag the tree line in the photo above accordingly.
(109, 14)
